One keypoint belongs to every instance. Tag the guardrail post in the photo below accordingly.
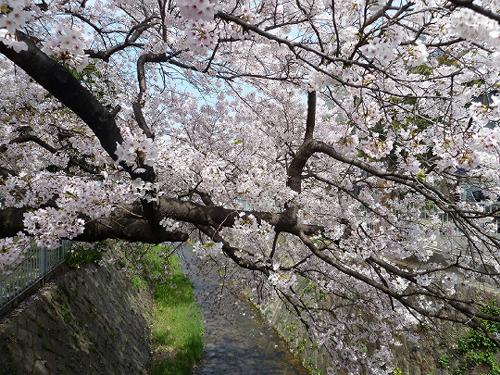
(43, 261)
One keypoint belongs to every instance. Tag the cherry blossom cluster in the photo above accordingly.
(13, 16)
(200, 36)
(252, 236)
(12, 251)
(67, 45)
(382, 49)
(145, 190)
(197, 9)
(49, 225)
(377, 148)
(475, 27)
(417, 54)
(92, 194)
(30, 190)
(135, 151)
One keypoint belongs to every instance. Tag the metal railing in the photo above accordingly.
(34, 267)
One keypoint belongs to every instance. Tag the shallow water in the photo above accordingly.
(237, 340)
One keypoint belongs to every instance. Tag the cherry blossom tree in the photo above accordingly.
(327, 141)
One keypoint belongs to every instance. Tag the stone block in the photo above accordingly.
(40, 368)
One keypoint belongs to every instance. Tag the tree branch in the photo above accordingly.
(141, 79)
(215, 216)
(305, 151)
(232, 251)
(311, 115)
(121, 224)
(66, 88)
(476, 8)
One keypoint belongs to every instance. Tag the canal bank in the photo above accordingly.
(110, 318)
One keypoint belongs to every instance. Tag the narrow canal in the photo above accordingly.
(237, 340)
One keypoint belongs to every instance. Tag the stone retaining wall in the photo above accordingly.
(421, 358)
(86, 321)
(410, 358)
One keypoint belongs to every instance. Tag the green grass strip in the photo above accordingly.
(177, 319)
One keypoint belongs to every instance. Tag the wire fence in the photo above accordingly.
(36, 264)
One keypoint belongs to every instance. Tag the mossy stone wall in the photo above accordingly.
(87, 321)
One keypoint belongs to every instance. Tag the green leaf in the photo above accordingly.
(423, 69)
